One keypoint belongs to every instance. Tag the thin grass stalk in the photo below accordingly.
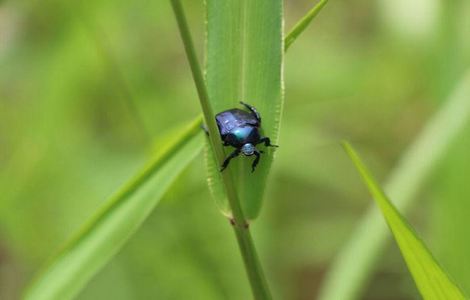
(253, 267)
(303, 24)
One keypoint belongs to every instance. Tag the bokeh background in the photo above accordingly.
(88, 87)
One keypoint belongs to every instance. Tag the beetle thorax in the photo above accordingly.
(248, 149)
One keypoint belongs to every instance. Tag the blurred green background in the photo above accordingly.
(87, 89)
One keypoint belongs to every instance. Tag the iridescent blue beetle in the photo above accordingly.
(241, 130)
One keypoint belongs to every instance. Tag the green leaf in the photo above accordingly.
(303, 24)
(110, 228)
(244, 63)
(240, 226)
(431, 280)
(354, 264)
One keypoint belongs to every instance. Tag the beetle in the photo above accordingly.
(241, 129)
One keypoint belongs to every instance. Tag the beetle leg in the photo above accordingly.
(204, 127)
(256, 161)
(267, 142)
(225, 142)
(234, 154)
(253, 110)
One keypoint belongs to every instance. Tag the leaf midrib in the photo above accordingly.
(243, 44)
(242, 71)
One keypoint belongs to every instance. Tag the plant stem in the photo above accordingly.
(240, 225)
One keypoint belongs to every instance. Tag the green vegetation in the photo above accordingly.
(99, 240)
(91, 92)
(355, 262)
(235, 213)
(432, 281)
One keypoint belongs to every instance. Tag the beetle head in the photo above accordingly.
(248, 149)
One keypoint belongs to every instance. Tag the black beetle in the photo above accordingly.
(241, 130)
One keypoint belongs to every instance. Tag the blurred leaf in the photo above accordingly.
(244, 59)
(400, 17)
(356, 261)
(450, 207)
(110, 228)
(431, 280)
(303, 24)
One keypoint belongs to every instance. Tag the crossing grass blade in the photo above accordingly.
(431, 280)
(244, 58)
(110, 228)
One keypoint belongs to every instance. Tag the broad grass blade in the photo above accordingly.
(244, 63)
